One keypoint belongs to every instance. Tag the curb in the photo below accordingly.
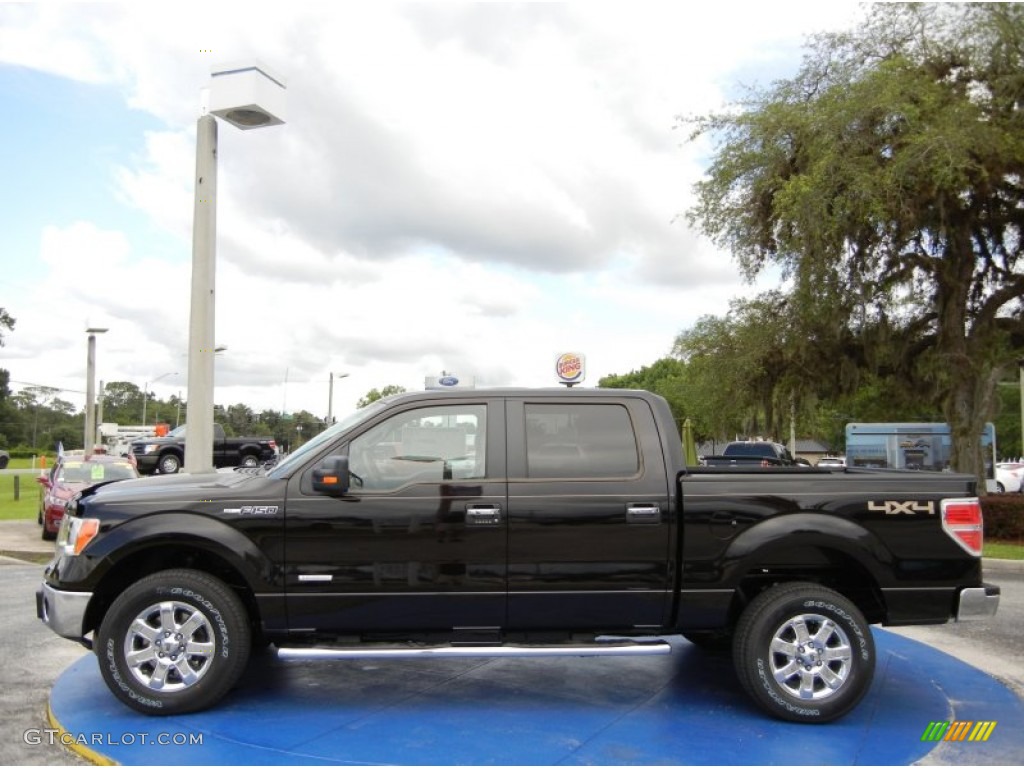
(70, 743)
(993, 565)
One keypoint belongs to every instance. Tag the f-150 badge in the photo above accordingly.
(251, 511)
(902, 507)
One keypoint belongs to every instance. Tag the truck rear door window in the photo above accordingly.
(580, 440)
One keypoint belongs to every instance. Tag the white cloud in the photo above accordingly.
(469, 186)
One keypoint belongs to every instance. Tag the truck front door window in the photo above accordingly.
(426, 445)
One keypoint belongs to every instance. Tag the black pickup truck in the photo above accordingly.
(752, 453)
(167, 454)
(511, 522)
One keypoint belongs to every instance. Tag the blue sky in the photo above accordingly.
(59, 151)
(468, 187)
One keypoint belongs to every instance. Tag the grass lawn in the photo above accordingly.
(27, 506)
(1005, 550)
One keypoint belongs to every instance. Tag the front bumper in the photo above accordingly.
(977, 602)
(63, 612)
(147, 463)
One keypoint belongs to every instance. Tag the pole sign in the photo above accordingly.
(571, 368)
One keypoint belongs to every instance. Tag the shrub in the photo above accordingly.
(1004, 516)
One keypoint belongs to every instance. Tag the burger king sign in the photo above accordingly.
(571, 368)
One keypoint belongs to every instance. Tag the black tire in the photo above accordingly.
(804, 653)
(169, 464)
(47, 536)
(213, 650)
(711, 641)
(250, 460)
(1000, 488)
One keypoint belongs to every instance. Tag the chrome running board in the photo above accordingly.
(655, 648)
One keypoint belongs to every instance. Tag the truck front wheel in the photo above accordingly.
(804, 653)
(173, 642)
(169, 464)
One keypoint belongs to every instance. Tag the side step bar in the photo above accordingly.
(656, 648)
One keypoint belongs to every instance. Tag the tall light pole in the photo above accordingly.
(330, 395)
(90, 390)
(145, 392)
(247, 97)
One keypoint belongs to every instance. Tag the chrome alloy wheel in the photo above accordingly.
(169, 646)
(811, 657)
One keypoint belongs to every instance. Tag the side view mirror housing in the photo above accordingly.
(331, 478)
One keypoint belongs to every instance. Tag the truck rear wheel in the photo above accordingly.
(250, 460)
(173, 642)
(804, 653)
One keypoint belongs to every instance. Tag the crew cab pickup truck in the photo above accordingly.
(167, 454)
(511, 522)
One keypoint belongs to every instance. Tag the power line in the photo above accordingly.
(46, 386)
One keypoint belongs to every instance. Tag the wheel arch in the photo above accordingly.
(231, 562)
(829, 551)
(828, 566)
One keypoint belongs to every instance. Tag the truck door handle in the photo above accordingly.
(643, 512)
(483, 514)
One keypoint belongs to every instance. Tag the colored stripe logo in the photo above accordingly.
(959, 730)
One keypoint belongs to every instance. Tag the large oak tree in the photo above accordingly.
(885, 179)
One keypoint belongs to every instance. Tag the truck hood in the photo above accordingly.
(163, 488)
(159, 441)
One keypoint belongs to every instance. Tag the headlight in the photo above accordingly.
(75, 533)
(149, 448)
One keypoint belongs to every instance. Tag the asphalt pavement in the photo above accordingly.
(32, 657)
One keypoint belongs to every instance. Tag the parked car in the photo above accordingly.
(831, 461)
(5, 458)
(74, 472)
(1009, 477)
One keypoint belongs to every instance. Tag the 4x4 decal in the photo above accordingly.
(902, 507)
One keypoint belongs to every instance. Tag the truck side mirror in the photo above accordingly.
(331, 478)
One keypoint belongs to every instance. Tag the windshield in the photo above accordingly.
(177, 431)
(296, 457)
(749, 449)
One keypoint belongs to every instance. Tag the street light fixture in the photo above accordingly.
(145, 391)
(330, 395)
(247, 97)
(89, 439)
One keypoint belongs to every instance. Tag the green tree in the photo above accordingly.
(6, 321)
(122, 402)
(374, 394)
(665, 377)
(747, 370)
(240, 419)
(885, 179)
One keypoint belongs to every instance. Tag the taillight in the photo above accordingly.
(961, 519)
